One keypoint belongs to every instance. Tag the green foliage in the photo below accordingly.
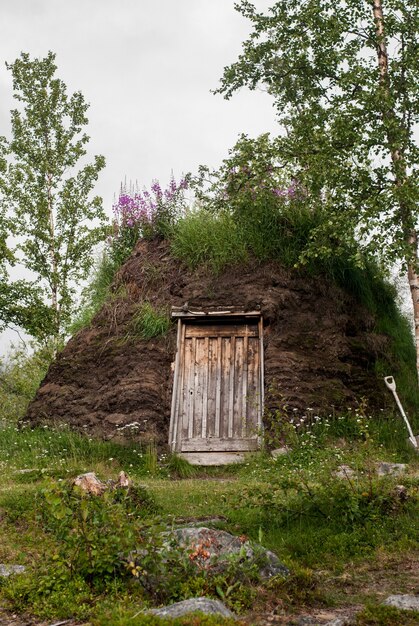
(120, 617)
(300, 588)
(104, 559)
(202, 238)
(98, 289)
(45, 200)
(50, 594)
(93, 531)
(318, 517)
(60, 452)
(147, 322)
(349, 117)
(20, 376)
(179, 467)
(253, 206)
(343, 80)
(379, 615)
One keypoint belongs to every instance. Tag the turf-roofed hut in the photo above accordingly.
(227, 354)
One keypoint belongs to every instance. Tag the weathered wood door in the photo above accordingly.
(218, 386)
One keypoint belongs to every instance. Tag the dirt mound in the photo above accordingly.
(319, 345)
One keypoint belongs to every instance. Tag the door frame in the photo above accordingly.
(218, 314)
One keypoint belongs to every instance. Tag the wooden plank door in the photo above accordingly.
(217, 400)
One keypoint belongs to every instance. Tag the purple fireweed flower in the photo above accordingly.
(279, 192)
(142, 208)
(157, 189)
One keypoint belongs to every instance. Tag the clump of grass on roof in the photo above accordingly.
(148, 322)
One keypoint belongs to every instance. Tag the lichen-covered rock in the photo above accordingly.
(8, 570)
(193, 605)
(210, 545)
(391, 469)
(90, 483)
(405, 602)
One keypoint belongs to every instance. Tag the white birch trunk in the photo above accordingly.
(399, 168)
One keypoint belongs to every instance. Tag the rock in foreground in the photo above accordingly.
(209, 545)
(193, 605)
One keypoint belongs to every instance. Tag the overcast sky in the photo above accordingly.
(146, 67)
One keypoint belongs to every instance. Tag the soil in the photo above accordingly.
(319, 343)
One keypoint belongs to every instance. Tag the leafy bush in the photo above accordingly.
(93, 531)
(20, 376)
(379, 615)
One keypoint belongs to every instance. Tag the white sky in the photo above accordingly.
(146, 67)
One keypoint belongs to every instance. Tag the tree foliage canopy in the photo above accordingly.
(46, 204)
(347, 120)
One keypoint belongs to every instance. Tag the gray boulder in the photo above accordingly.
(217, 545)
(8, 570)
(390, 469)
(193, 605)
(278, 452)
(406, 602)
(344, 471)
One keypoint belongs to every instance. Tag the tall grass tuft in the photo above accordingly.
(203, 238)
(148, 322)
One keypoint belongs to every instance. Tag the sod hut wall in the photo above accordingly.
(320, 347)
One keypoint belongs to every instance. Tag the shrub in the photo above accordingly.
(20, 376)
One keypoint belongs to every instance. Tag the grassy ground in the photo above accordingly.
(348, 542)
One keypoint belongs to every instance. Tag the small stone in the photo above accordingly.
(406, 602)
(203, 605)
(344, 471)
(8, 570)
(304, 620)
(390, 469)
(401, 493)
(124, 480)
(278, 452)
(90, 483)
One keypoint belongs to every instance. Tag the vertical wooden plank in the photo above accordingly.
(191, 389)
(200, 374)
(212, 385)
(253, 387)
(231, 387)
(244, 389)
(238, 388)
(261, 378)
(204, 369)
(177, 387)
(225, 386)
(187, 364)
(218, 389)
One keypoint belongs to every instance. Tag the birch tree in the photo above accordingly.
(343, 75)
(46, 199)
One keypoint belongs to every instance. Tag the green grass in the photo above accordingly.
(97, 291)
(148, 322)
(62, 452)
(202, 238)
(322, 527)
(376, 615)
